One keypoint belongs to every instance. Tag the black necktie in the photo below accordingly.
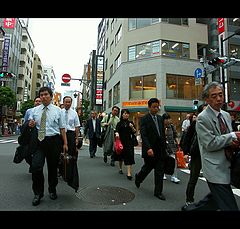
(224, 130)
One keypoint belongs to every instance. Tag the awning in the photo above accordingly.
(178, 109)
(137, 109)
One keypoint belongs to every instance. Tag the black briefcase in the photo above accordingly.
(169, 165)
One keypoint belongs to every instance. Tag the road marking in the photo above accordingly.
(8, 141)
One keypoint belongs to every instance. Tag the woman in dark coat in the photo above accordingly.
(125, 129)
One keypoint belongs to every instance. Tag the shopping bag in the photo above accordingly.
(181, 163)
(118, 147)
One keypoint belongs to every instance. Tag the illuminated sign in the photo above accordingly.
(99, 81)
(5, 52)
(9, 23)
(220, 25)
(135, 103)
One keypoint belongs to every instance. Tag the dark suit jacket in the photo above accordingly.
(89, 128)
(151, 138)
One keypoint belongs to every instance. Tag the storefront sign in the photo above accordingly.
(135, 103)
(5, 52)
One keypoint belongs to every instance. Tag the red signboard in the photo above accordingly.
(9, 23)
(66, 78)
(221, 25)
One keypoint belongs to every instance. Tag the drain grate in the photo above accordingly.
(105, 195)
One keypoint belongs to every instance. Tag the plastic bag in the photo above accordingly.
(181, 163)
(118, 147)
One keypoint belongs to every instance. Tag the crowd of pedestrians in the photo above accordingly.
(202, 137)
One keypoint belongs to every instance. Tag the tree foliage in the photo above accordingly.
(26, 105)
(7, 97)
(85, 109)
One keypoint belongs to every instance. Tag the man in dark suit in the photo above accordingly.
(93, 128)
(153, 148)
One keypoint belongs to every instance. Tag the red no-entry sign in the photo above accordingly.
(66, 78)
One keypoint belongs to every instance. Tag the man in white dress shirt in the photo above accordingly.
(50, 124)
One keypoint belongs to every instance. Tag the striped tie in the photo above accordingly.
(42, 129)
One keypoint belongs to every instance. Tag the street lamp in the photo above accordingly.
(224, 79)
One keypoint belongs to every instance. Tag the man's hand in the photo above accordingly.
(31, 123)
(150, 153)
(65, 148)
(238, 135)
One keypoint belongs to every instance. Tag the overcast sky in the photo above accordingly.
(65, 44)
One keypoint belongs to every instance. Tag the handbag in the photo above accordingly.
(80, 142)
(68, 169)
(118, 146)
(181, 163)
(134, 139)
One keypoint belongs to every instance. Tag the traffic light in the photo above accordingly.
(6, 74)
(218, 61)
(195, 104)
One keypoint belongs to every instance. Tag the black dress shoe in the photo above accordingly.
(160, 196)
(129, 177)
(105, 159)
(137, 183)
(53, 196)
(36, 199)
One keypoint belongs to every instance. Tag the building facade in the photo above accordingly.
(153, 57)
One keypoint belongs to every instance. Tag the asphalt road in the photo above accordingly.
(102, 188)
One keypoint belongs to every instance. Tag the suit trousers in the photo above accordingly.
(195, 169)
(93, 145)
(71, 142)
(223, 196)
(50, 148)
(158, 166)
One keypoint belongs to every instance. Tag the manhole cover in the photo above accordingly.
(106, 195)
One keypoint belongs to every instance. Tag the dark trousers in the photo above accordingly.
(50, 148)
(195, 168)
(71, 142)
(93, 145)
(223, 196)
(158, 166)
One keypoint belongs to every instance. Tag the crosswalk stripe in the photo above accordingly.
(8, 141)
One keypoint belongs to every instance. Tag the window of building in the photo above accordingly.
(234, 50)
(131, 53)
(110, 99)
(234, 21)
(111, 71)
(175, 49)
(235, 88)
(116, 93)
(111, 47)
(138, 23)
(142, 87)
(132, 23)
(175, 21)
(112, 25)
(118, 61)
(145, 50)
(106, 44)
(182, 87)
(118, 35)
